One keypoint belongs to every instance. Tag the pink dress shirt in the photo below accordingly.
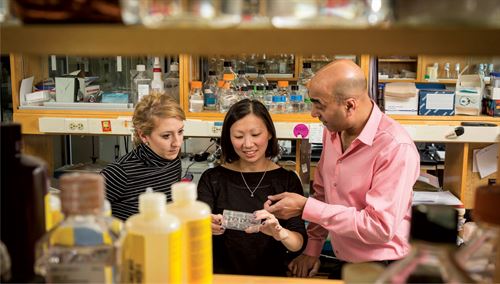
(362, 197)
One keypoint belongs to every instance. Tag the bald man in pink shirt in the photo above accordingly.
(363, 181)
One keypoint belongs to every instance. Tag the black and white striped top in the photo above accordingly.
(130, 175)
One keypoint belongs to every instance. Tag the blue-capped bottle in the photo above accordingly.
(210, 91)
(296, 100)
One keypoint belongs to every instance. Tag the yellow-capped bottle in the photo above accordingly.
(196, 233)
(152, 246)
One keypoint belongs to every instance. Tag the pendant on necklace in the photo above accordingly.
(251, 195)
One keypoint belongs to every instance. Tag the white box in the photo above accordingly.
(493, 93)
(66, 89)
(394, 105)
(468, 94)
(37, 97)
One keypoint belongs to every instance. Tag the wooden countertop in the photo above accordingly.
(243, 279)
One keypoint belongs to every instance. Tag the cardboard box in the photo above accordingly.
(491, 107)
(436, 102)
(67, 89)
(468, 92)
(401, 98)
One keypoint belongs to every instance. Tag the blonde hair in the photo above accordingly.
(154, 105)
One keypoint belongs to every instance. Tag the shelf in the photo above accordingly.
(394, 60)
(271, 78)
(102, 40)
(443, 120)
(392, 80)
(281, 117)
(442, 81)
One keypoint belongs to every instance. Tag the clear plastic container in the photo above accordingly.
(260, 94)
(157, 83)
(196, 97)
(227, 94)
(260, 80)
(479, 255)
(191, 13)
(241, 80)
(141, 84)
(280, 98)
(304, 77)
(83, 248)
(172, 81)
(296, 100)
(268, 97)
(431, 259)
(210, 91)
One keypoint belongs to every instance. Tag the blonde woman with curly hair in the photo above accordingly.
(158, 135)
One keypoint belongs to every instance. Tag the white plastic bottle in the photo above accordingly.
(157, 83)
(152, 248)
(197, 235)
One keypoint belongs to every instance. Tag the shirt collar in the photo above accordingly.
(368, 133)
(150, 157)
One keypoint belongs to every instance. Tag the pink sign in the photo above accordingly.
(301, 129)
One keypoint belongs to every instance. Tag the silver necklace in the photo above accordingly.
(253, 191)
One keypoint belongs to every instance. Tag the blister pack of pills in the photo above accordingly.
(237, 220)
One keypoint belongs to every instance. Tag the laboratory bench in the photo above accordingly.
(244, 279)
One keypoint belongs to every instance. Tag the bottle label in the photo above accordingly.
(80, 273)
(295, 98)
(282, 67)
(209, 101)
(152, 258)
(79, 236)
(198, 240)
(276, 99)
(53, 214)
(142, 90)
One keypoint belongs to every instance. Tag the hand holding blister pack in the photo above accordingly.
(237, 220)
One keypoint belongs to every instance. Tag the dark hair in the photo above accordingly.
(238, 111)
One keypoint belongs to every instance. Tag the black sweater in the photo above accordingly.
(130, 175)
(236, 252)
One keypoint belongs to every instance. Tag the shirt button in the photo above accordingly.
(339, 161)
(334, 184)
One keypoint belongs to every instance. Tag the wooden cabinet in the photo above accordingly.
(398, 69)
(30, 45)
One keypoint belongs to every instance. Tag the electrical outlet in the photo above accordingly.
(76, 125)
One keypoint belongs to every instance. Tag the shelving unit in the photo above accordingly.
(28, 45)
(395, 60)
(395, 66)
